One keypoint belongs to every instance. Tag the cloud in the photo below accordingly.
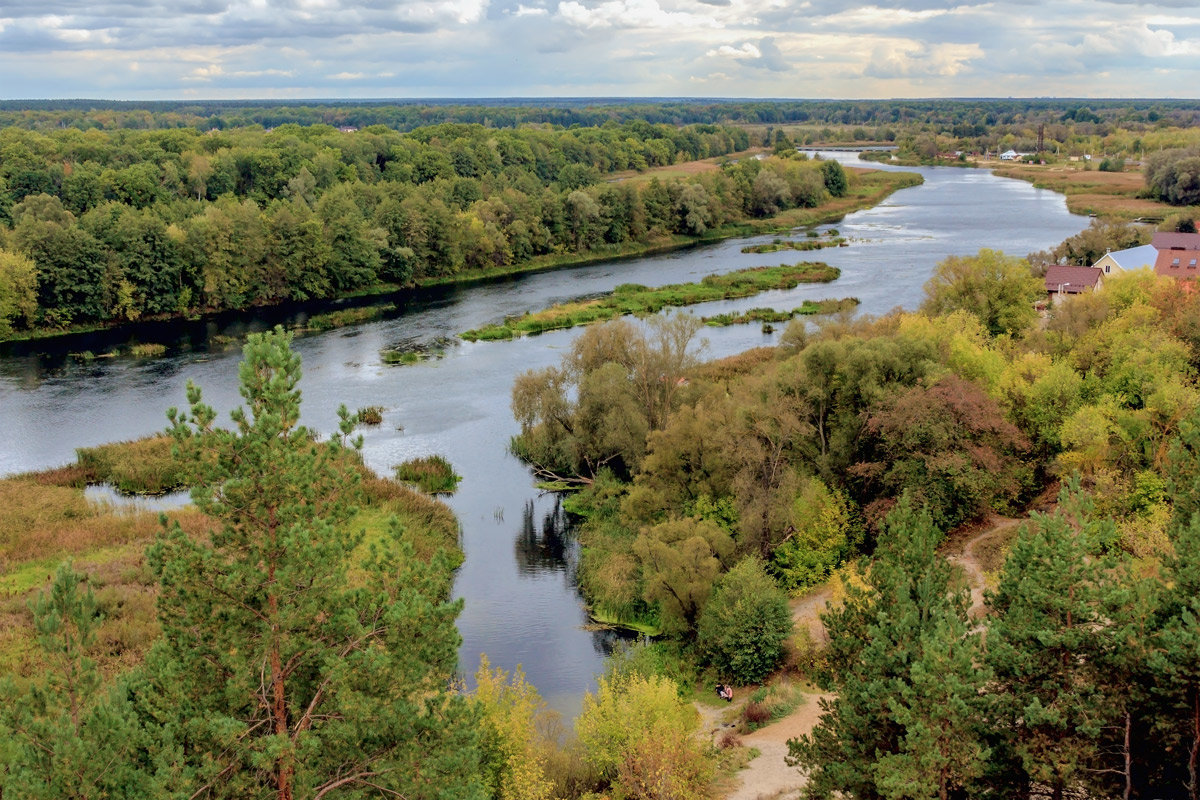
(755, 48)
(764, 54)
(628, 14)
(915, 59)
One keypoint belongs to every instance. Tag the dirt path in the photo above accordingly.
(768, 777)
(965, 554)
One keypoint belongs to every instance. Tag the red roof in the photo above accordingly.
(1064, 279)
(1165, 240)
(1178, 263)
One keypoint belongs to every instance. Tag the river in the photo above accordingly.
(522, 605)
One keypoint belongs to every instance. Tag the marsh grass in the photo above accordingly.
(147, 350)
(370, 415)
(770, 315)
(791, 244)
(401, 357)
(632, 298)
(346, 316)
(432, 474)
(142, 466)
(1110, 195)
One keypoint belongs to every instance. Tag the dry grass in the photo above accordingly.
(1110, 195)
(45, 518)
(683, 170)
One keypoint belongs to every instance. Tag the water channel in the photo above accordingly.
(522, 605)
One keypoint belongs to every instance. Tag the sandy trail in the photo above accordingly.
(965, 555)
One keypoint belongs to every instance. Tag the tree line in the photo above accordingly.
(966, 114)
(116, 226)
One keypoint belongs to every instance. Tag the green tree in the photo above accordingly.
(835, 178)
(680, 559)
(18, 291)
(821, 535)
(67, 735)
(907, 719)
(295, 660)
(618, 382)
(1043, 646)
(743, 626)
(998, 289)
(1175, 661)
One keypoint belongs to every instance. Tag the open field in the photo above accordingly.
(1111, 195)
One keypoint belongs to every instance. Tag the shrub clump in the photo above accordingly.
(432, 474)
(742, 630)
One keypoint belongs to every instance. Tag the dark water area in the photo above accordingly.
(522, 604)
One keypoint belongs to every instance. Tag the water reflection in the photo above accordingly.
(550, 547)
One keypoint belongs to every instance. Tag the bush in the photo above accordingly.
(824, 537)
(769, 704)
(743, 627)
(639, 736)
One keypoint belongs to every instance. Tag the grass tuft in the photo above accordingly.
(432, 474)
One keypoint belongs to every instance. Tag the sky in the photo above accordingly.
(280, 49)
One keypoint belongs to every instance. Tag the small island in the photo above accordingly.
(631, 298)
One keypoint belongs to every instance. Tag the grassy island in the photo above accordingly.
(632, 298)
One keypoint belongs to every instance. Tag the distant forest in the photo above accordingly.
(968, 114)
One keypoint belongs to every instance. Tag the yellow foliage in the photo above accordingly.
(638, 733)
(512, 748)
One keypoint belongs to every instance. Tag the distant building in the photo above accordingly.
(1128, 260)
(1009, 155)
(1063, 280)
(1178, 254)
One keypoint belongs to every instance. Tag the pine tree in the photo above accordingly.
(1175, 663)
(1043, 647)
(905, 667)
(295, 661)
(67, 736)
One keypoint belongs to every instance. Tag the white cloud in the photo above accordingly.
(747, 50)
(526, 11)
(629, 14)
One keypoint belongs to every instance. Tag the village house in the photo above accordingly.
(1128, 260)
(1062, 279)
(1178, 254)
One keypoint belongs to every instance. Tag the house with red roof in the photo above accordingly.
(1178, 254)
(1062, 279)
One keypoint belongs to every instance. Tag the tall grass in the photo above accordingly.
(432, 474)
(143, 466)
(807, 308)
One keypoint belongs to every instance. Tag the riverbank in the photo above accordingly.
(1111, 196)
(869, 188)
(46, 517)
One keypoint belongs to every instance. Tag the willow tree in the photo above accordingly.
(618, 383)
(297, 662)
